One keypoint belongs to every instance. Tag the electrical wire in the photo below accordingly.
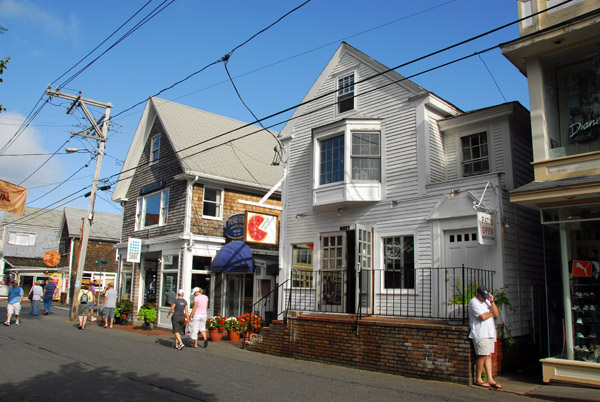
(47, 160)
(493, 79)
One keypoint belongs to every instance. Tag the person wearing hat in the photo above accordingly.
(179, 309)
(198, 316)
(482, 311)
(15, 294)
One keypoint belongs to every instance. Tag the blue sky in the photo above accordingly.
(273, 71)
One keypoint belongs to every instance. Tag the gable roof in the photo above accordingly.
(380, 69)
(35, 217)
(227, 153)
(106, 226)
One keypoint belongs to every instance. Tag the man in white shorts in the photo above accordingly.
(15, 294)
(482, 311)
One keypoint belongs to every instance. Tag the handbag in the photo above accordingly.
(30, 297)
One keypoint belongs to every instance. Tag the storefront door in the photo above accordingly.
(234, 295)
(333, 274)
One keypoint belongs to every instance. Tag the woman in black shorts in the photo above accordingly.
(179, 309)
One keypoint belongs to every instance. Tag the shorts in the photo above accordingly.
(83, 309)
(109, 312)
(198, 324)
(13, 308)
(178, 322)
(484, 346)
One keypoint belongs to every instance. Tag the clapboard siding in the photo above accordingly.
(436, 152)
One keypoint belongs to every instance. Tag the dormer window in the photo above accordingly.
(475, 154)
(345, 94)
(155, 151)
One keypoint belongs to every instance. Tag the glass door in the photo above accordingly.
(364, 267)
(234, 295)
(333, 263)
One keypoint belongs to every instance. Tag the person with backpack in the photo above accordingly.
(84, 301)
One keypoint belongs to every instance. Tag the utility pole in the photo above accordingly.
(100, 137)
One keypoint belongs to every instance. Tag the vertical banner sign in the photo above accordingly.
(134, 250)
(12, 198)
(486, 229)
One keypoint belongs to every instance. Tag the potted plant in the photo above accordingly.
(216, 326)
(234, 328)
(148, 314)
(123, 309)
(252, 323)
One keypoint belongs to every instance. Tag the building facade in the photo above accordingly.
(190, 186)
(396, 202)
(558, 52)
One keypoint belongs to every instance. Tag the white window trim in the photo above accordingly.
(152, 161)
(382, 289)
(356, 79)
(13, 234)
(140, 209)
(222, 204)
(461, 157)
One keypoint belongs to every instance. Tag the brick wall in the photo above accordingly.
(407, 347)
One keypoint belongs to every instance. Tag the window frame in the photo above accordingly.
(154, 150)
(398, 290)
(311, 256)
(220, 204)
(14, 234)
(368, 156)
(345, 92)
(472, 161)
(163, 208)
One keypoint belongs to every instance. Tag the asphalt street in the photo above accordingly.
(48, 358)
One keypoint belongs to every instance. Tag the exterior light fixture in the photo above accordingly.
(454, 192)
(298, 217)
(394, 203)
(339, 212)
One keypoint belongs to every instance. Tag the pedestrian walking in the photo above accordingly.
(180, 312)
(482, 311)
(198, 316)
(92, 304)
(110, 303)
(35, 295)
(15, 294)
(49, 291)
(83, 309)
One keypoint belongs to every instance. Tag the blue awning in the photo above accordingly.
(233, 257)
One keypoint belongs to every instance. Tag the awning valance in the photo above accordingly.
(233, 257)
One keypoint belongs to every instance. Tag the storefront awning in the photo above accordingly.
(233, 257)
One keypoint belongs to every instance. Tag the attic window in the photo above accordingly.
(475, 154)
(345, 93)
(155, 151)
(21, 239)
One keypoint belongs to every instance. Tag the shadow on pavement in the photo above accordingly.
(77, 382)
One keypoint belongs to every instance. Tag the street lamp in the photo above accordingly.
(75, 150)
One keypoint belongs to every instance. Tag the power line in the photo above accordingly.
(493, 79)
(47, 160)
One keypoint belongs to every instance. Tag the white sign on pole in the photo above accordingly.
(134, 250)
(486, 229)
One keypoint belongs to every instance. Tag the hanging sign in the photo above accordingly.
(234, 227)
(261, 228)
(486, 229)
(134, 250)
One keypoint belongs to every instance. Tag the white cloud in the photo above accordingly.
(39, 17)
(16, 168)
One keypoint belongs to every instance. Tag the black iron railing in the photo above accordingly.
(435, 293)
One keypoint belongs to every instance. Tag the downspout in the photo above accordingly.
(188, 213)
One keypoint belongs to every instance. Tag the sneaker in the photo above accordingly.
(592, 308)
(579, 321)
(575, 308)
(593, 335)
(586, 294)
(592, 294)
(180, 347)
(579, 335)
(6, 323)
(17, 322)
(45, 313)
(586, 308)
(578, 294)
(205, 343)
(577, 348)
(584, 349)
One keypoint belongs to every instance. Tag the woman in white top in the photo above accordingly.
(36, 293)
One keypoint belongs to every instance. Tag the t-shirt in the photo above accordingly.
(481, 328)
(36, 292)
(14, 294)
(180, 305)
(111, 298)
(201, 302)
(171, 296)
(49, 289)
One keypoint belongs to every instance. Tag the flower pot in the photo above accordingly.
(215, 334)
(234, 335)
(123, 318)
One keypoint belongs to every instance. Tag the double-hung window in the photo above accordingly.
(399, 258)
(365, 156)
(21, 239)
(332, 160)
(475, 154)
(345, 93)
(212, 206)
(155, 151)
(152, 210)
